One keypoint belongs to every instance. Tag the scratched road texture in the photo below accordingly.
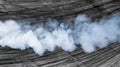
(32, 10)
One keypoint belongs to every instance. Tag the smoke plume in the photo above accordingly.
(43, 37)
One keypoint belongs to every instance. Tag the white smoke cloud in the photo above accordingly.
(46, 36)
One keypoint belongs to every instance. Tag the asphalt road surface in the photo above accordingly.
(40, 10)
